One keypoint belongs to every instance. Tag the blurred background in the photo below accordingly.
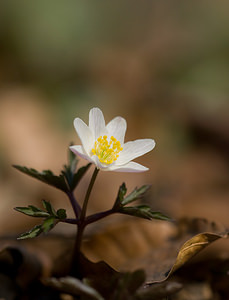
(162, 65)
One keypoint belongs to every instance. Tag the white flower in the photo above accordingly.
(103, 145)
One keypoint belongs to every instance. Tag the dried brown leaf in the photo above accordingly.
(189, 249)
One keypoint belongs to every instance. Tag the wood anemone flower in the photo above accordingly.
(103, 145)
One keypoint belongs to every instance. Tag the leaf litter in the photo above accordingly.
(155, 273)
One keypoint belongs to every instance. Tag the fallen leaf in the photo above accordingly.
(73, 286)
(189, 249)
(158, 291)
(19, 264)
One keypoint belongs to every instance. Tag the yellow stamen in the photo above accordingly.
(107, 152)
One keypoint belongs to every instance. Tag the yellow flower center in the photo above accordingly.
(107, 152)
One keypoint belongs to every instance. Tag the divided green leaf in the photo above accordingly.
(37, 212)
(50, 209)
(34, 232)
(143, 211)
(69, 170)
(45, 227)
(32, 211)
(45, 176)
(48, 224)
(121, 193)
(74, 178)
(136, 194)
(66, 181)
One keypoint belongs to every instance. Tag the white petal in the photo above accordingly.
(117, 128)
(134, 149)
(77, 149)
(96, 122)
(84, 134)
(129, 167)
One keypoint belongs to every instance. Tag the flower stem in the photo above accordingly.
(98, 216)
(75, 205)
(81, 224)
(85, 203)
(69, 221)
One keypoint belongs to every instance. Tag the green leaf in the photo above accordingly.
(61, 213)
(45, 227)
(32, 211)
(78, 175)
(45, 176)
(66, 181)
(120, 197)
(135, 194)
(143, 211)
(48, 224)
(34, 232)
(37, 212)
(74, 178)
(48, 206)
(122, 191)
(69, 170)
